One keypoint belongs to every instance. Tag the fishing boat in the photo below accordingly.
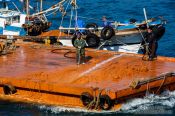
(11, 21)
(17, 23)
(43, 74)
(118, 36)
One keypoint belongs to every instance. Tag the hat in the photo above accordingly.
(78, 34)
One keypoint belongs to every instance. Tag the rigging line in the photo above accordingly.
(142, 35)
(52, 12)
(76, 18)
(91, 18)
(70, 23)
(63, 17)
(16, 7)
(56, 9)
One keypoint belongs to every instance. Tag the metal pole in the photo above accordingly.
(27, 8)
(27, 11)
(146, 20)
(41, 5)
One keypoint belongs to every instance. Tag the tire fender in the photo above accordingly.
(9, 89)
(107, 33)
(105, 102)
(86, 98)
(92, 40)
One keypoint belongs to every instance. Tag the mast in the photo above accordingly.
(41, 5)
(27, 7)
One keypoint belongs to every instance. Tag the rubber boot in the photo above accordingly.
(83, 60)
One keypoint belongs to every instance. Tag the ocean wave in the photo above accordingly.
(150, 104)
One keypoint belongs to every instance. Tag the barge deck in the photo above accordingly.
(45, 74)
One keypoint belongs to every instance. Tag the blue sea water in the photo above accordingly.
(118, 10)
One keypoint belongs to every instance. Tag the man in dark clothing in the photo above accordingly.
(80, 44)
(105, 22)
(152, 44)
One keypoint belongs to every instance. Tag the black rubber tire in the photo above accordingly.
(107, 33)
(105, 102)
(92, 40)
(53, 39)
(91, 25)
(9, 89)
(86, 98)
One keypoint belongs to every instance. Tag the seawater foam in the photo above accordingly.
(149, 104)
(61, 109)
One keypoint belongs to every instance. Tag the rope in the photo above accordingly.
(161, 84)
(76, 18)
(70, 23)
(56, 9)
(63, 18)
(95, 101)
(147, 90)
(142, 35)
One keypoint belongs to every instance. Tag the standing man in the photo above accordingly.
(80, 44)
(152, 44)
(105, 22)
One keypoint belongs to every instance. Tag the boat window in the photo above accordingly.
(8, 21)
(16, 19)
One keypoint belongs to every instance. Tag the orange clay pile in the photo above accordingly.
(56, 33)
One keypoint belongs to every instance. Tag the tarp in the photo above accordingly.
(131, 26)
(5, 0)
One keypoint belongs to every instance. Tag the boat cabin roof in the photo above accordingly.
(8, 13)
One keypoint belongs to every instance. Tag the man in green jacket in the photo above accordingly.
(80, 44)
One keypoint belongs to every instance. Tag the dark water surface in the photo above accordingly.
(118, 10)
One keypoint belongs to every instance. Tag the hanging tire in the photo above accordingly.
(91, 25)
(86, 98)
(107, 33)
(105, 102)
(92, 40)
(9, 89)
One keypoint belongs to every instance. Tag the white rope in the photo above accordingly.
(56, 9)
(76, 18)
(70, 23)
(16, 6)
(52, 12)
(63, 18)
